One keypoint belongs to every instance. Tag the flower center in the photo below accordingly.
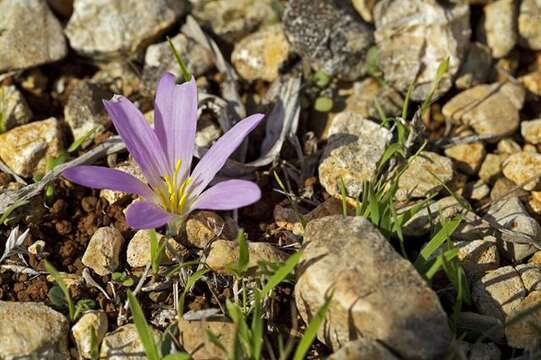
(174, 196)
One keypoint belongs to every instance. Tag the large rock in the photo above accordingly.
(499, 292)
(362, 349)
(329, 35)
(92, 321)
(84, 110)
(352, 154)
(414, 37)
(116, 28)
(349, 256)
(124, 343)
(159, 58)
(500, 26)
(203, 227)
(468, 157)
(103, 250)
(13, 107)
(26, 149)
(223, 254)
(193, 336)
(490, 110)
(232, 20)
(32, 329)
(477, 257)
(523, 169)
(139, 247)
(511, 214)
(524, 333)
(261, 54)
(528, 23)
(531, 131)
(120, 77)
(30, 35)
(364, 94)
(476, 68)
(425, 174)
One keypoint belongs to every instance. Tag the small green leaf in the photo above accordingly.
(143, 329)
(56, 296)
(323, 104)
(321, 79)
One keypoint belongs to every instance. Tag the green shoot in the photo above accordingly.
(281, 273)
(407, 101)
(188, 286)
(157, 251)
(321, 78)
(60, 282)
(344, 196)
(143, 329)
(183, 68)
(94, 346)
(423, 259)
(292, 202)
(83, 139)
(442, 69)
(122, 278)
(312, 329)
(240, 268)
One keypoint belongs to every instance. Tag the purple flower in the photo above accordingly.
(164, 155)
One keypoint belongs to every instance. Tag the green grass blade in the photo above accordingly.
(442, 69)
(189, 284)
(437, 240)
(58, 278)
(438, 263)
(216, 341)
(183, 68)
(406, 103)
(280, 274)
(311, 330)
(257, 327)
(344, 196)
(80, 141)
(143, 329)
(244, 253)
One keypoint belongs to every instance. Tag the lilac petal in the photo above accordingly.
(215, 158)
(99, 177)
(140, 139)
(175, 116)
(228, 195)
(146, 215)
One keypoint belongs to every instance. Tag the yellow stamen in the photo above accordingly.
(176, 197)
